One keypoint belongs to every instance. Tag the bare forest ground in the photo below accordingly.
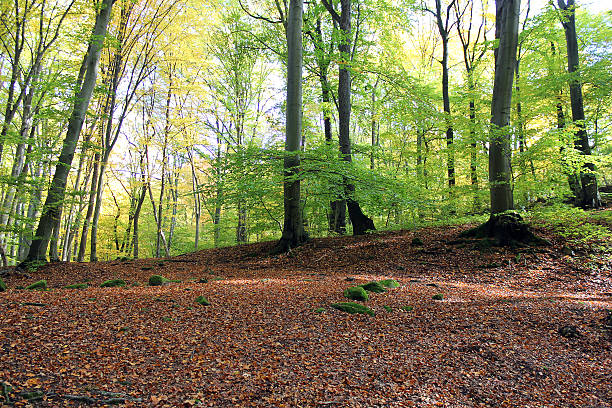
(494, 340)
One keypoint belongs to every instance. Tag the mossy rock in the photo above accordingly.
(2, 285)
(157, 280)
(112, 283)
(146, 268)
(356, 293)
(352, 308)
(374, 287)
(40, 285)
(416, 241)
(389, 283)
(77, 286)
(438, 296)
(202, 301)
(319, 310)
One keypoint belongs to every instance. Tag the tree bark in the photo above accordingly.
(361, 223)
(293, 226)
(506, 30)
(589, 195)
(57, 190)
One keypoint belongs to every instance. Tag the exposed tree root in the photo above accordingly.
(506, 229)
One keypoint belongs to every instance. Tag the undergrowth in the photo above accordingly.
(581, 228)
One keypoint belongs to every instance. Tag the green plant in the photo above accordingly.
(438, 296)
(319, 310)
(202, 301)
(375, 287)
(40, 285)
(352, 307)
(113, 283)
(356, 293)
(76, 286)
(388, 308)
(389, 283)
(157, 280)
(2, 285)
(407, 308)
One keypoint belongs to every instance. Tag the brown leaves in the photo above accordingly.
(492, 341)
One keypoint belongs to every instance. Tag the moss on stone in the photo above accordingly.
(389, 283)
(202, 301)
(2, 285)
(407, 308)
(319, 310)
(374, 287)
(76, 286)
(157, 280)
(40, 285)
(438, 296)
(112, 283)
(416, 241)
(356, 293)
(352, 307)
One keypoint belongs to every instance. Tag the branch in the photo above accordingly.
(331, 10)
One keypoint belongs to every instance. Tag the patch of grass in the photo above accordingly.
(388, 308)
(202, 301)
(352, 308)
(407, 308)
(356, 293)
(319, 310)
(40, 285)
(112, 283)
(389, 283)
(375, 287)
(77, 286)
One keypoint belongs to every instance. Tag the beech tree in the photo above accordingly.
(57, 189)
(589, 195)
(293, 226)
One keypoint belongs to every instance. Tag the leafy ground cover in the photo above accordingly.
(514, 328)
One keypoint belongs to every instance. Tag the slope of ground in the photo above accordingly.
(495, 339)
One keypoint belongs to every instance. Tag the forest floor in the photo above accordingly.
(494, 339)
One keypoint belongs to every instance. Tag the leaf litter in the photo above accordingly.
(271, 338)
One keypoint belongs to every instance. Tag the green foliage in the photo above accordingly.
(113, 283)
(352, 308)
(2, 285)
(77, 286)
(157, 280)
(202, 301)
(438, 296)
(579, 227)
(375, 287)
(319, 310)
(389, 283)
(40, 285)
(407, 308)
(388, 308)
(356, 293)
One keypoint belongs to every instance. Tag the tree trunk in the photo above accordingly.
(90, 209)
(57, 189)
(293, 226)
(589, 195)
(506, 30)
(360, 221)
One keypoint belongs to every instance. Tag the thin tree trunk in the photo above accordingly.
(90, 208)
